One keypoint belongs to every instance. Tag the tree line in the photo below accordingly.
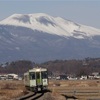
(74, 67)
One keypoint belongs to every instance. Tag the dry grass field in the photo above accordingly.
(81, 89)
(11, 89)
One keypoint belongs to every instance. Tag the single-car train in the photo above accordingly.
(36, 79)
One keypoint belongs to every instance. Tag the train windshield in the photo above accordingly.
(44, 74)
(32, 75)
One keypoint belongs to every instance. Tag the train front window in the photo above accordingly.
(32, 75)
(44, 74)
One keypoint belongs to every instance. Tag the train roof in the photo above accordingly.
(37, 69)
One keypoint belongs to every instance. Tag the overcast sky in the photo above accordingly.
(85, 12)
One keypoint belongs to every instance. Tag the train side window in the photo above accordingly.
(32, 75)
(44, 74)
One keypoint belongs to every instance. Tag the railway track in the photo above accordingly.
(37, 96)
(32, 95)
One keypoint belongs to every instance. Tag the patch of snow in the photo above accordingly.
(51, 25)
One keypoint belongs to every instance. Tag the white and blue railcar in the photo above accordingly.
(36, 79)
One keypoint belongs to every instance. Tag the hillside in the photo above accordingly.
(41, 37)
(74, 67)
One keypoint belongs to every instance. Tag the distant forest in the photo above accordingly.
(72, 67)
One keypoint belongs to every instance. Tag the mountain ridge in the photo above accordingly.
(51, 25)
(46, 38)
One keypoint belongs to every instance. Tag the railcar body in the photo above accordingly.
(36, 79)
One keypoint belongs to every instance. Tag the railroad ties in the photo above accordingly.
(30, 96)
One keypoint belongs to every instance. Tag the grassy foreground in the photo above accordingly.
(81, 89)
(11, 89)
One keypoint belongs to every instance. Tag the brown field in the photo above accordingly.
(11, 89)
(81, 89)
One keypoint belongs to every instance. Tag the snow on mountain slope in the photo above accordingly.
(40, 37)
(51, 25)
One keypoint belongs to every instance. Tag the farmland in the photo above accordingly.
(80, 89)
(11, 89)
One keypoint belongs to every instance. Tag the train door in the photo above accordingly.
(38, 78)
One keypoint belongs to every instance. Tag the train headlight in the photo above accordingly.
(37, 70)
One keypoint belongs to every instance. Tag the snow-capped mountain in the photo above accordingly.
(53, 25)
(41, 37)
